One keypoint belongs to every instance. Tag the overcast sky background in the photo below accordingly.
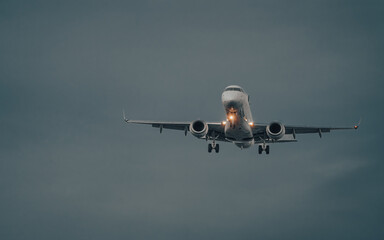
(71, 169)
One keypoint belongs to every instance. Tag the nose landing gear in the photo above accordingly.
(232, 123)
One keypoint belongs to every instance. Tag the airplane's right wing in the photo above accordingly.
(215, 130)
(157, 124)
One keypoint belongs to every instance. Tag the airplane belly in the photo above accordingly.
(237, 129)
(244, 144)
(239, 133)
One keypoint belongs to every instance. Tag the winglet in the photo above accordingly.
(125, 119)
(358, 124)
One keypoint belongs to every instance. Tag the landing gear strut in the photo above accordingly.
(263, 147)
(232, 123)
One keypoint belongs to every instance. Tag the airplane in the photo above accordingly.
(239, 128)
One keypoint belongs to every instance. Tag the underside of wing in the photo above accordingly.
(285, 139)
(263, 132)
(199, 129)
(303, 129)
(167, 125)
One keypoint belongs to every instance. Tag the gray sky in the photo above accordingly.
(71, 169)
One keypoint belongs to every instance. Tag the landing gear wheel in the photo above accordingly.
(209, 147)
(267, 149)
(217, 148)
(260, 149)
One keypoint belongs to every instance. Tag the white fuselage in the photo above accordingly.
(239, 117)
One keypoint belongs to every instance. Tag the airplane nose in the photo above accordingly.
(231, 104)
(225, 97)
(230, 101)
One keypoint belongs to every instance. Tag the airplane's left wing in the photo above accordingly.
(259, 130)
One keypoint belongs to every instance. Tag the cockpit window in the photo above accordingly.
(234, 89)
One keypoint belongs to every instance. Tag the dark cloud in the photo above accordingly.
(70, 168)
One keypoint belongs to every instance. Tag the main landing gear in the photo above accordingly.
(263, 147)
(213, 145)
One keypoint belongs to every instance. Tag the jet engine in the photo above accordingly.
(275, 130)
(198, 128)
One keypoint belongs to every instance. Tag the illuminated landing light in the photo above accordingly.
(223, 123)
(251, 124)
(231, 117)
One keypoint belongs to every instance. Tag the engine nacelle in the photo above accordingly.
(275, 130)
(198, 128)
